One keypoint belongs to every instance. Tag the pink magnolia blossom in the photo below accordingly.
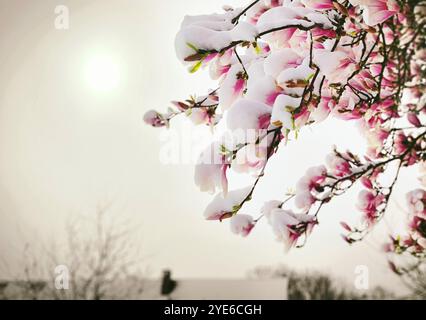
(269, 206)
(422, 170)
(339, 167)
(242, 224)
(250, 158)
(154, 119)
(288, 226)
(225, 206)
(416, 200)
(319, 4)
(280, 67)
(322, 110)
(210, 171)
(248, 115)
(310, 186)
(369, 202)
(376, 11)
(232, 86)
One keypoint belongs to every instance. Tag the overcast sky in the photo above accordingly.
(67, 144)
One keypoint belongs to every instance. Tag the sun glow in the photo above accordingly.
(102, 73)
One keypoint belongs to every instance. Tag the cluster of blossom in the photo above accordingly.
(282, 65)
(413, 244)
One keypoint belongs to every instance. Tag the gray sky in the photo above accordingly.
(66, 146)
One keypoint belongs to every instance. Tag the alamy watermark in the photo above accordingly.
(62, 277)
(362, 277)
(188, 146)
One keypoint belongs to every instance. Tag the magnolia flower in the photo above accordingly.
(282, 111)
(375, 136)
(401, 143)
(242, 224)
(417, 229)
(422, 169)
(262, 88)
(281, 60)
(304, 199)
(366, 182)
(416, 200)
(376, 11)
(282, 64)
(310, 188)
(225, 206)
(313, 179)
(288, 226)
(369, 202)
(209, 32)
(210, 170)
(232, 86)
(269, 206)
(339, 167)
(154, 119)
(319, 4)
(335, 65)
(250, 158)
(294, 80)
(322, 110)
(247, 114)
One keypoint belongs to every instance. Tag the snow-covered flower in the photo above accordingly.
(210, 170)
(247, 114)
(288, 226)
(282, 112)
(242, 224)
(269, 206)
(250, 158)
(210, 32)
(225, 206)
(232, 86)
(282, 64)
(339, 167)
(335, 65)
(321, 111)
(154, 119)
(401, 143)
(414, 119)
(318, 4)
(416, 200)
(369, 203)
(422, 170)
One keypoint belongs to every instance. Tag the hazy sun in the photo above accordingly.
(102, 73)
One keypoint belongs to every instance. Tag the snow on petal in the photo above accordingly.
(279, 60)
(378, 11)
(336, 66)
(281, 16)
(268, 206)
(262, 89)
(282, 111)
(246, 114)
(242, 224)
(223, 206)
(283, 223)
(210, 170)
(231, 87)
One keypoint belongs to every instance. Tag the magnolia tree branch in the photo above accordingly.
(282, 66)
